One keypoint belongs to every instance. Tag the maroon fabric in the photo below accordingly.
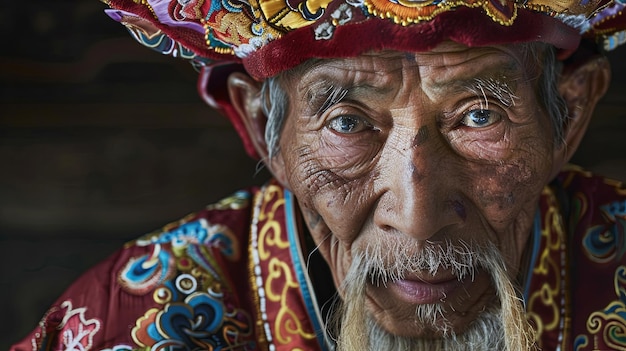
(575, 298)
(576, 294)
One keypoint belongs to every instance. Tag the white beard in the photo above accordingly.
(501, 327)
(486, 333)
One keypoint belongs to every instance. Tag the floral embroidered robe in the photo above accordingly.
(233, 277)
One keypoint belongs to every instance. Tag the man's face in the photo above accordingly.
(393, 151)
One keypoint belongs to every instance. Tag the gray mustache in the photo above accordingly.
(387, 261)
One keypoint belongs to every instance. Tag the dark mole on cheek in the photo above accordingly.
(313, 219)
(459, 208)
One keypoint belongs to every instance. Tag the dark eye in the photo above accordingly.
(480, 118)
(347, 124)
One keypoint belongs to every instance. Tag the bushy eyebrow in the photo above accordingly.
(494, 88)
(497, 82)
(331, 95)
(325, 93)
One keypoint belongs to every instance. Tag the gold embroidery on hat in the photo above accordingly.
(279, 13)
(407, 12)
(573, 7)
(207, 36)
(146, 4)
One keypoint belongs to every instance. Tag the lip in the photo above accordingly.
(420, 292)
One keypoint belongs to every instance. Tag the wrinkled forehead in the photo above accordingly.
(448, 64)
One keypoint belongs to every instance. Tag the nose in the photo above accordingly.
(419, 197)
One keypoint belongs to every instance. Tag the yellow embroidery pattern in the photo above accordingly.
(546, 305)
(406, 12)
(610, 324)
(271, 234)
(280, 282)
(286, 320)
(280, 13)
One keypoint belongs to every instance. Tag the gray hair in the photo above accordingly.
(548, 93)
(276, 100)
(275, 107)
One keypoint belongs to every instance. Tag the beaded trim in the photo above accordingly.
(256, 278)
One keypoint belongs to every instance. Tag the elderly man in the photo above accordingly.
(419, 199)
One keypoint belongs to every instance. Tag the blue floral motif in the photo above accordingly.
(143, 273)
(183, 272)
(580, 342)
(189, 241)
(196, 319)
(608, 242)
(192, 232)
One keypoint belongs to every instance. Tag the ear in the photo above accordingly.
(581, 88)
(245, 97)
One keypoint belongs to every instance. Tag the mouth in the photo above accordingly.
(418, 291)
(448, 301)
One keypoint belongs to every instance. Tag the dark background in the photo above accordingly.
(102, 140)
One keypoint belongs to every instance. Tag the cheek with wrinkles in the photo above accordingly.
(486, 146)
(307, 175)
(313, 175)
(322, 164)
(350, 156)
(333, 203)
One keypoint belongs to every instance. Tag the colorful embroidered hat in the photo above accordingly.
(270, 36)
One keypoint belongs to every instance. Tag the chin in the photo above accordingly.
(427, 310)
(483, 333)
(426, 321)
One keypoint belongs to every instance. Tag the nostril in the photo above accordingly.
(386, 228)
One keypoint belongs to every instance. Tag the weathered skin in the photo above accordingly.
(414, 168)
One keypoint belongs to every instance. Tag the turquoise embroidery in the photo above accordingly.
(190, 240)
(186, 281)
(605, 243)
